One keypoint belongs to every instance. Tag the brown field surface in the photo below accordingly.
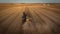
(41, 18)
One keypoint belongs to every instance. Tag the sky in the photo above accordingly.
(29, 1)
